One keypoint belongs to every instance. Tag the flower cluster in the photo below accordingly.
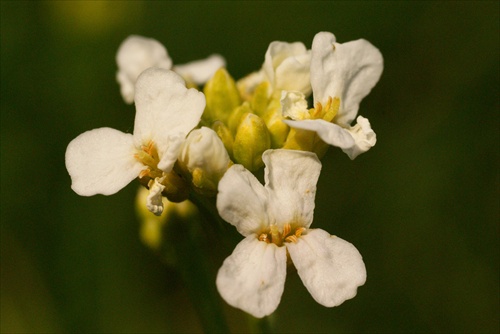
(198, 132)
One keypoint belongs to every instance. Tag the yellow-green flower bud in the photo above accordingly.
(204, 156)
(274, 122)
(260, 99)
(252, 139)
(236, 117)
(225, 135)
(222, 97)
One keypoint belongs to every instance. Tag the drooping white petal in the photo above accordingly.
(291, 178)
(287, 66)
(364, 138)
(242, 201)
(330, 133)
(154, 200)
(252, 278)
(165, 108)
(101, 161)
(331, 268)
(200, 71)
(294, 105)
(135, 54)
(348, 71)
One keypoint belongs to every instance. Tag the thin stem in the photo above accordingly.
(199, 278)
(263, 325)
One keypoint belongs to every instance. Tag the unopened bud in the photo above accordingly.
(278, 129)
(222, 97)
(252, 139)
(204, 156)
(237, 116)
(260, 99)
(225, 135)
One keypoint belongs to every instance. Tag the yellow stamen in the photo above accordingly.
(263, 237)
(327, 111)
(286, 229)
(144, 172)
(299, 231)
(289, 234)
(331, 109)
(316, 112)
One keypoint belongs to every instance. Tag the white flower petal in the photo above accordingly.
(252, 278)
(135, 54)
(364, 138)
(200, 71)
(330, 268)
(101, 161)
(294, 105)
(291, 178)
(154, 200)
(242, 201)
(348, 71)
(330, 133)
(287, 66)
(294, 74)
(165, 108)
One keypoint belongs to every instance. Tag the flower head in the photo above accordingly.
(103, 161)
(275, 220)
(341, 76)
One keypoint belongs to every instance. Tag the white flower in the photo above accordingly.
(343, 73)
(275, 220)
(204, 156)
(286, 67)
(103, 161)
(137, 53)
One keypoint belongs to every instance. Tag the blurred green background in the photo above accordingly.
(422, 206)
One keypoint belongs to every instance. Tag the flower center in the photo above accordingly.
(148, 156)
(289, 234)
(175, 187)
(326, 112)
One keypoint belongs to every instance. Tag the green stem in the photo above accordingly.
(199, 278)
(263, 325)
(208, 209)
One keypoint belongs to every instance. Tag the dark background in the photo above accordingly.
(422, 206)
